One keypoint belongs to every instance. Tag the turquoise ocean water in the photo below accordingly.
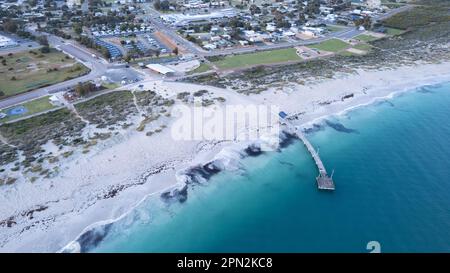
(392, 176)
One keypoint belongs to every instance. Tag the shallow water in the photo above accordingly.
(392, 169)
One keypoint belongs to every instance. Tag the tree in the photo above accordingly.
(301, 18)
(77, 28)
(10, 26)
(105, 52)
(45, 49)
(157, 4)
(366, 22)
(42, 40)
(32, 3)
(207, 28)
(82, 89)
(313, 7)
(254, 9)
(175, 51)
(161, 5)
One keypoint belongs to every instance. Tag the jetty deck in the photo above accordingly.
(324, 182)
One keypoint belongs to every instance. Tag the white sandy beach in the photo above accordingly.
(139, 165)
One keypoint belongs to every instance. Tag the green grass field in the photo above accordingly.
(33, 107)
(258, 58)
(110, 86)
(347, 53)
(202, 68)
(333, 28)
(332, 45)
(365, 38)
(25, 71)
(363, 46)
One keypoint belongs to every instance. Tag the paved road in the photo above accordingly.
(344, 34)
(347, 33)
(154, 17)
(99, 66)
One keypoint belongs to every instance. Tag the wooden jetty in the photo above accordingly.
(324, 182)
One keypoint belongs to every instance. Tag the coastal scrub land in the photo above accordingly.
(25, 71)
(33, 146)
(92, 161)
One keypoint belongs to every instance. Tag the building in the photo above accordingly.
(373, 4)
(282, 115)
(54, 100)
(72, 3)
(161, 69)
(179, 19)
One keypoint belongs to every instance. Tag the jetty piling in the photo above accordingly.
(324, 182)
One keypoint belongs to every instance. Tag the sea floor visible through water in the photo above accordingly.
(391, 163)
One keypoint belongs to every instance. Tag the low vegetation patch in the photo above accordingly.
(28, 135)
(108, 109)
(431, 12)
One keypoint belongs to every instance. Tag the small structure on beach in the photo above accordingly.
(161, 69)
(54, 100)
(282, 115)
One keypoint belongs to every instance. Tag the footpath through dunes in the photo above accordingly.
(93, 152)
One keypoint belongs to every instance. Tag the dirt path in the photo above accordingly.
(5, 141)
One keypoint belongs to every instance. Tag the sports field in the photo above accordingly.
(26, 109)
(332, 45)
(25, 71)
(366, 38)
(202, 68)
(258, 58)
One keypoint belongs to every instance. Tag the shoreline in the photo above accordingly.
(374, 100)
(336, 108)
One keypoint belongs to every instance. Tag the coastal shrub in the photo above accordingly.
(200, 93)
(28, 135)
(108, 109)
(419, 16)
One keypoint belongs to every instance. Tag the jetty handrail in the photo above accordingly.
(324, 182)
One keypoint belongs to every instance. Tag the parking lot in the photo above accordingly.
(20, 44)
(123, 74)
(150, 41)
